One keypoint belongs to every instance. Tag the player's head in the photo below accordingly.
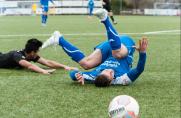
(32, 46)
(104, 78)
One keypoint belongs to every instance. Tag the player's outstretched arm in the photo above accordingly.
(133, 74)
(35, 68)
(54, 64)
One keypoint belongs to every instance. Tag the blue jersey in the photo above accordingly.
(91, 3)
(45, 2)
(120, 67)
(123, 74)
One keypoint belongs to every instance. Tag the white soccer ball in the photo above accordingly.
(122, 106)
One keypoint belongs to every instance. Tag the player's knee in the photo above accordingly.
(85, 65)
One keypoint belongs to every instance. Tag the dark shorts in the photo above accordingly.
(107, 7)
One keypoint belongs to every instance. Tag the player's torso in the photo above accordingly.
(120, 66)
(44, 2)
(7, 60)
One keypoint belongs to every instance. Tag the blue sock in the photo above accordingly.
(113, 36)
(46, 17)
(71, 50)
(42, 18)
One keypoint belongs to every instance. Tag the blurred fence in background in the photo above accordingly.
(128, 7)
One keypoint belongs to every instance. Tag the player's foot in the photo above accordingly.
(53, 40)
(115, 23)
(101, 14)
(43, 24)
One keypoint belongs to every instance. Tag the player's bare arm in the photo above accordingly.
(35, 68)
(54, 64)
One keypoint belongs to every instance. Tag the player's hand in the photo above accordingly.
(80, 78)
(70, 68)
(143, 44)
(50, 71)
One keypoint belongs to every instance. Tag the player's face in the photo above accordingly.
(109, 73)
(31, 55)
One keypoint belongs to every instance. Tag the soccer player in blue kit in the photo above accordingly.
(112, 59)
(45, 7)
(91, 7)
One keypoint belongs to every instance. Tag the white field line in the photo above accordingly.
(161, 32)
(168, 32)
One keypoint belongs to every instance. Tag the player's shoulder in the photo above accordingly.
(18, 53)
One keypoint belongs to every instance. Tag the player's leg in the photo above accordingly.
(44, 15)
(113, 36)
(110, 13)
(91, 61)
(91, 10)
(118, 49)
(109, 9)
(70, 49)
(78, 56)
(112, 17)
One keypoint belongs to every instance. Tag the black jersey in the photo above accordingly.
(106, 1)
(12, 58)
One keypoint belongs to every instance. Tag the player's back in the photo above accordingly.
(7, 60)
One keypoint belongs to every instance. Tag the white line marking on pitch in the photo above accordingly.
(168, 32)
(161, 32)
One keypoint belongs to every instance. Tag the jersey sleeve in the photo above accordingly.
(88, 76)
(35, 59)
(133, 74)
(122, 80)
(18, 57)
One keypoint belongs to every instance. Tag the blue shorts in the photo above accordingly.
(107, 51)
(45, 9)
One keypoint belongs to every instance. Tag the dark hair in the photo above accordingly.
(32, 45)
(102, 81)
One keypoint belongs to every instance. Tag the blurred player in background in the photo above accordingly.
(45, 7)
(91, 7)
(22, 59)
(112, 59)
(106, 4)
(34, 7)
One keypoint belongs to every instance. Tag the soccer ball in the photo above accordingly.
(123, 106)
